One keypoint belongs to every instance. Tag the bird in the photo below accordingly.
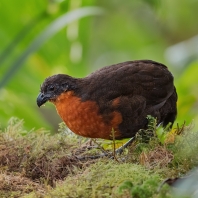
(118, 97)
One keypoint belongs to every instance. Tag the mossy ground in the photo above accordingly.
(36, 164)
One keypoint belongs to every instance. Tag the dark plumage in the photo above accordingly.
(118, 96)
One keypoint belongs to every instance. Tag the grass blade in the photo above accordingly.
(46, 34)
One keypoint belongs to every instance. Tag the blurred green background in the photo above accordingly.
(42, 38)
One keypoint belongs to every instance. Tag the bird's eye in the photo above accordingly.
(51, 88)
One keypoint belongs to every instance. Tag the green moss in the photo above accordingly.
(184, 150)
(36, 164)
(105, 178)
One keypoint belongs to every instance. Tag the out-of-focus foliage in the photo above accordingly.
(127, 30)
(187, 84)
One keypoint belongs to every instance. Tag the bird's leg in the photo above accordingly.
(93, 143)
(121, 149)
(99, 146)
(89, 144)
(114, 145)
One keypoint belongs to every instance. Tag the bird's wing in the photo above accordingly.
(150, 80)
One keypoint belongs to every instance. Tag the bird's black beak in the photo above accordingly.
(42, 99)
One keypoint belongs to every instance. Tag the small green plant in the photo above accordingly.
(162, 132)
(144, 135)
(154, 130)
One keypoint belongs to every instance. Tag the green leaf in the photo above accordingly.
(46, 34)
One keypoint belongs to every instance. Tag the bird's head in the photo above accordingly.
(53, 86)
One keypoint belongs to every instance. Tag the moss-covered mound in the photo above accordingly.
(38, 164)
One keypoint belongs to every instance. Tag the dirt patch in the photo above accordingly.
(38, 155)
(17, 182)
